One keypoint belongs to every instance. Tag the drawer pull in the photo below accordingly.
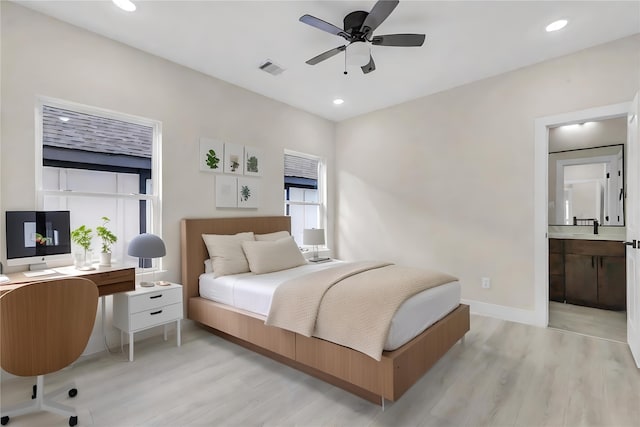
(156, 312)
(155, 296)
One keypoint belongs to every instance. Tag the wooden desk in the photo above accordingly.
(110, 280)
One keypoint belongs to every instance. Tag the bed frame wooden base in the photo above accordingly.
(351, 370)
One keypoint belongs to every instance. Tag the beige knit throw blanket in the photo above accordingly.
(351, 304)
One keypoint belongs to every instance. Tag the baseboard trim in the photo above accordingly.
(504, 312)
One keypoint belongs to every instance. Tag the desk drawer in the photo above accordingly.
(156, 316)
(150, 300)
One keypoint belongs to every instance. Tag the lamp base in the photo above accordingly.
(147, 284)
(319, 259)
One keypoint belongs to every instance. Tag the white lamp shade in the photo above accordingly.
(147, 246)
(358, 54)
(313, 236)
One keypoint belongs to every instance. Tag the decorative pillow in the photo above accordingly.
(225, 250)
(269, 256)
(272, 236)
(208, 266)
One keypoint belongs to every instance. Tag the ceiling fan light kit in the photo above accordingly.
(358, 28)
(358, 54)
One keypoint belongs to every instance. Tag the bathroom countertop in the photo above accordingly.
(586, 236)
(586, 233)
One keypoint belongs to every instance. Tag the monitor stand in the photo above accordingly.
(38, 269)
(38, 266)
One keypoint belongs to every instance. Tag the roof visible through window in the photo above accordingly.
(80, 131)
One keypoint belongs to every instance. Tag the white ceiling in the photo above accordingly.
(466, 41)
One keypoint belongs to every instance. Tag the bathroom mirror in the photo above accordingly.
(587, 184)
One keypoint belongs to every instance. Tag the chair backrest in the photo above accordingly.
(45, 326)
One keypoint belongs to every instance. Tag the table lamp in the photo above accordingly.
(314, 237)
(147, 246)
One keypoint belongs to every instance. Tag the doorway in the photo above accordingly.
(587, 294)
(541, 217)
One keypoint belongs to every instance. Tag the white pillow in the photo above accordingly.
(277, 235)
(269, 256)
(225, 250)
(208, 266)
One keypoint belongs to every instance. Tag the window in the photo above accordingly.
(98, 164)
(303, 192)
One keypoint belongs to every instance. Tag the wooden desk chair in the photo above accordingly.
(44, 327)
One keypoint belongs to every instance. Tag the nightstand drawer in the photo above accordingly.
(155, 316)
(151, 300)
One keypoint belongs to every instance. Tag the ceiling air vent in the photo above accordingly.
(271, 68)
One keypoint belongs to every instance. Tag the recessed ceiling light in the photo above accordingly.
(338, 101)
(125, 5)
(63, 119)
(557, 25)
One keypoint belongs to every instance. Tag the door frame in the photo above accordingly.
(541, 195)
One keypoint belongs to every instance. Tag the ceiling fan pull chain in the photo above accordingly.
(345, 62)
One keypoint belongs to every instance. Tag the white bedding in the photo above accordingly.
(251, 292)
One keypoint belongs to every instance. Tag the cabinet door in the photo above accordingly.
(581, 279)
(612, 282)
(556, 288)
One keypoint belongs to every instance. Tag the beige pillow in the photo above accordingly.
(272, 236)
(269, 256)
(225, 250)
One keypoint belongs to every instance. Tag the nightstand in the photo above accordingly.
(144, 308)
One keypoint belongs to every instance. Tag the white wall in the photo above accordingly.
(592, 134)
(42, 56)
(447, 180)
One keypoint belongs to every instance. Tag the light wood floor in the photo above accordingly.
(607, 324)
(504, 374)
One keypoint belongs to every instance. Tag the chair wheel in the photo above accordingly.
(73, 392)
(73, 421)
(4, 421)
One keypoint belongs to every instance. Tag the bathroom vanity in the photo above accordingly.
(587, 272)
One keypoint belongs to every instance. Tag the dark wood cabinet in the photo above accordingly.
(556, 270)
(595, 273)
(581, 279)
(612, 282)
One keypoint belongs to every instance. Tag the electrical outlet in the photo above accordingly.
(486, 283)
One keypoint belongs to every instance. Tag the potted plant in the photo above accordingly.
(82, 237)
(108, 239)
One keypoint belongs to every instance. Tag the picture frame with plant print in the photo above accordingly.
(253, 161)
(233, 159)
(248, 191)
(226, 191)
(211, 156)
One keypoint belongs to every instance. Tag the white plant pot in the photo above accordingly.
(105, 259)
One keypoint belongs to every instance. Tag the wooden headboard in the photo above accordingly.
(193, 251)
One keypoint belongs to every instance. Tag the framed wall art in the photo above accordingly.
(252, 161)
(226, 191)
(248, 192)
(233, 159)
(211, 157)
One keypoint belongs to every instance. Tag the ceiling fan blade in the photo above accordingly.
(326, 55)
(399, 40)
(324, 26)
(371, 66)
(378, 14)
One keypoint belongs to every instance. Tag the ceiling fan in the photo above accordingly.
(358, 31)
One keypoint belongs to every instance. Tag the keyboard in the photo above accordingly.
(3, 278)
(38, 273)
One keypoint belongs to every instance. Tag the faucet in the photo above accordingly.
(595, 226)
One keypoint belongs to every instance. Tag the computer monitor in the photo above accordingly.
(35, 237)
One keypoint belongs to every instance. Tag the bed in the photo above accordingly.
(374, 380)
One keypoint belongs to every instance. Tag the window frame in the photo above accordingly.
(322, 190)
(154, 198)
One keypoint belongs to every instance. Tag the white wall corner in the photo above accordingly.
(519, 315)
